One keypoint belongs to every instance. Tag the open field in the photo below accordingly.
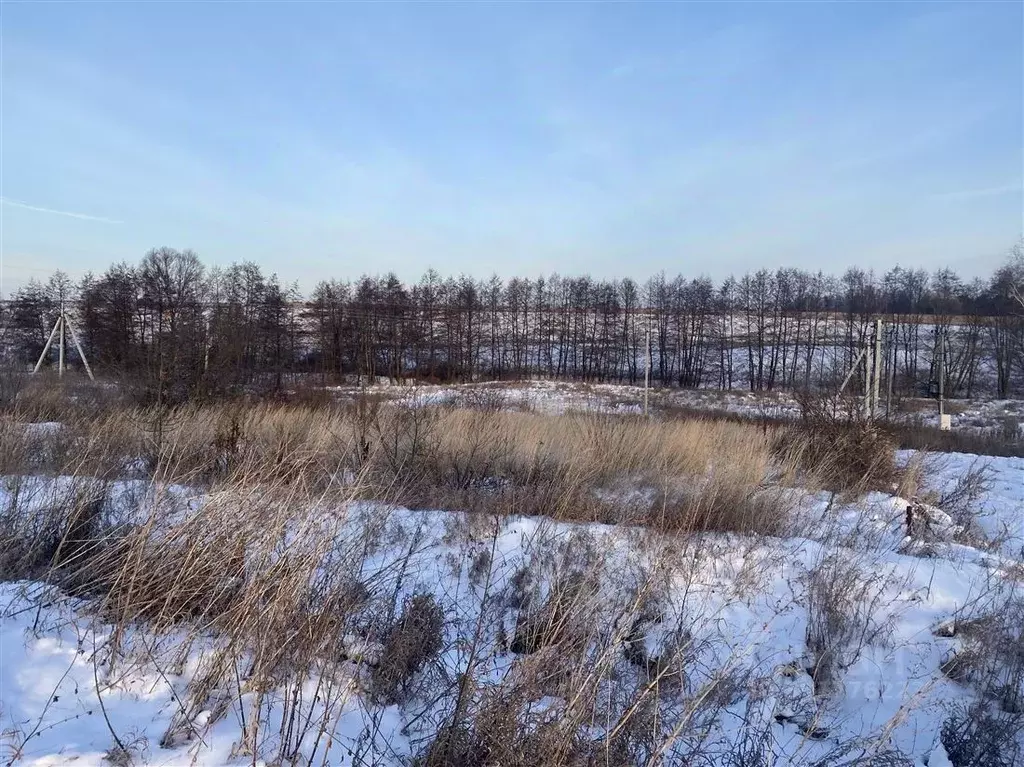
(502, 575)
(974, 421)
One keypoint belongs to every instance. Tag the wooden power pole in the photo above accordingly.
(60, 330)
(647, 370)
(877, 369)
(940, 350)
(894, 343)
(869, 378)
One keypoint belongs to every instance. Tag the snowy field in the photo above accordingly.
(555, 397)
(844, 641)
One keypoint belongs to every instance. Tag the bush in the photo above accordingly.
(415, 639)
(454, 747)
(976, 736)
(55, 537)
(844, 448)
(961, 500)
(841, 601)
(991, 655)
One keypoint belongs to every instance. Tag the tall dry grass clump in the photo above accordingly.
(844, 448)
(677, 475)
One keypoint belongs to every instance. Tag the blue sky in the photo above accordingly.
(329, 140)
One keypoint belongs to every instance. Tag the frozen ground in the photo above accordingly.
(746, 606)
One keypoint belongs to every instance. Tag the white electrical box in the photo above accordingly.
(945, 422)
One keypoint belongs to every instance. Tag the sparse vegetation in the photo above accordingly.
(990, 655)
(256, 514)
(975, 736)
(415, 638)
(694, 474)
(842, 603)
(263, 552)
(851, 451)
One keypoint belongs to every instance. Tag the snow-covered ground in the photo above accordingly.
(552, 397)
(747, 608)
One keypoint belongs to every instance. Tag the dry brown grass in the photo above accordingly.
(269, 574)
(272, 578)
(678, 475)
(842, 600)
(844, 448)
(271, 561)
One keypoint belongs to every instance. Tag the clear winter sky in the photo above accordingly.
(332, 139)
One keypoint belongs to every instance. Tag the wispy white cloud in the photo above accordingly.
(1016, 187)
(681, 147)
(66, 213)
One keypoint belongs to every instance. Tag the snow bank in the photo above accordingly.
(743, 602)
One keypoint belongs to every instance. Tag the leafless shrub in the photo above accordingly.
(967, 490)
(562, 618)
(843, 447)
(976, 736)
(990, 656)
(666, 665)
(55, 533)
(486, 399)
(416, 637)
(128, 751)
(453, 747)
(753, 749)
(398, 443)
(961, 500)
(842, 600)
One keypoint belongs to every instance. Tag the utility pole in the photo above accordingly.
(60, 328)
(81, 351)
(893, 341)
(876, 383)
(60, 349)
(647, 369)
(869, 358)
(49, 343)
(940, 344)
(853, 369)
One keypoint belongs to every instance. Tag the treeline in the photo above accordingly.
(179, 330)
